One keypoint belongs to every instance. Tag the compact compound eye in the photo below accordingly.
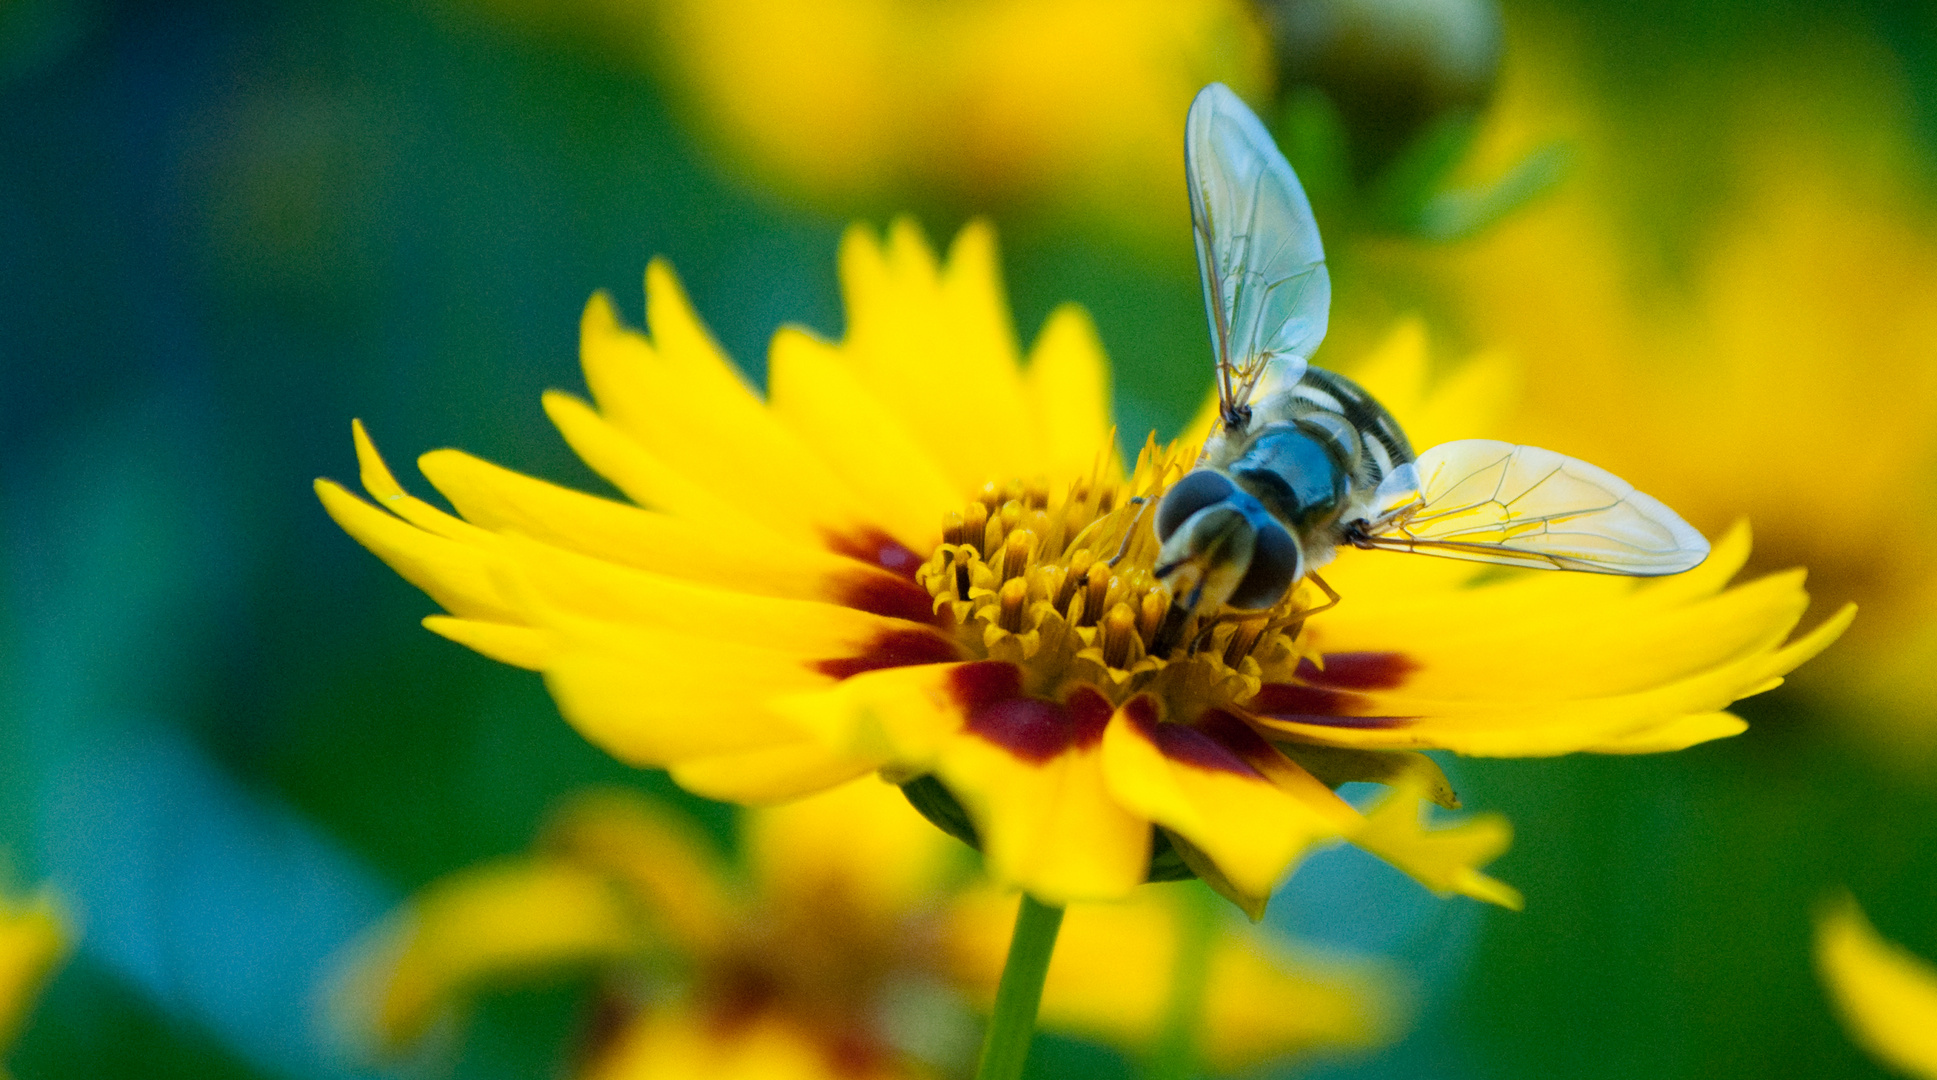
(1187, 496)
(1276, 562)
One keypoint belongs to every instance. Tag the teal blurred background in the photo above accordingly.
(227, 228)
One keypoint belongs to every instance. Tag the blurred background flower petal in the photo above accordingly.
(1886, 995)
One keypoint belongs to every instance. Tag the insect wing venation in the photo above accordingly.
(1267, 294)
(1496, 502)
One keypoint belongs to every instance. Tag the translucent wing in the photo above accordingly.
(1266, 291)
(1523, 506)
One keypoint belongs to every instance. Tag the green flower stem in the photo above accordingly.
(1020, 990)
(1175, 1054)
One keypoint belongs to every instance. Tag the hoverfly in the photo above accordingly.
(1302, 461)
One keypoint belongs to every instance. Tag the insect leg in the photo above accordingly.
(1143, 503)
(1331, 594)
(1213, 622)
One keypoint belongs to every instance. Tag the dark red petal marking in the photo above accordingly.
(1356, 723)
(1089, 714)
(1241, 738)
(1358, 670)
(856, 1051)
(1312, 705)
(1279, 699)
(888, 586)
(1326, 697)
(1032, 729)
(1142, 712)
(1183, 743)
(878, 593)
(738, 996)
(876, 548)
(893, 648)
(981, 684)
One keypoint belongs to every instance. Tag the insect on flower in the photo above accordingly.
(1302, 461)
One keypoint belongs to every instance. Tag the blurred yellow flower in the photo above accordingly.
(1078, 104)
(33, 942)
(1114, 966)
(846, 946)
(1780, 362)
(919, 556)
(1886, 996)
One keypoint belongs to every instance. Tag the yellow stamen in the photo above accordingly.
(1065, 587)
(1120, 637)
(1096, 593)
(1016, 551)
(1012, 598)
(1075, 574)
(975, 520)
(1150, 615)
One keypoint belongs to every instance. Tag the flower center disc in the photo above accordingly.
(1065, 589)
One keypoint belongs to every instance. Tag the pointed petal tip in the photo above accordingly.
(1496, 892)
(376, 476)
(858, 238)
(1825, 634)
(560, 405)
(660, 275)
(600, 314)
(975, 240)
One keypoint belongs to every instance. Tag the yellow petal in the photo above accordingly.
(1568, 651)
(519, 646)
(937, 344)
(662, 858)
(860, 843)
(458, 576)
(683, 1043)
(1109, 976)
(771, 774)
(1677, 734)
(1886, 995)
(653, 698)
(1068, 383)
(1481, 727)
(1396, 372)
(873, 448)
(1465, 403)
(901, 714)
(681, 400)
(1540, 635)
(491, 924)
(34, 939)
(1198, 787)
(1261, 1002)
(504, 501)
(1114, 968)
(1046, 819)
(650, 481)
(559, 584)
(383, 487)
(1446, 860)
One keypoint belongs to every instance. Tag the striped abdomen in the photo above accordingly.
(1315, 447)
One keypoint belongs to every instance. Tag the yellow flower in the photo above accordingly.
(1886, 996)
(1074, 102)
(846, 947)
(33, 942)
(901, 560)
(1782, 364)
